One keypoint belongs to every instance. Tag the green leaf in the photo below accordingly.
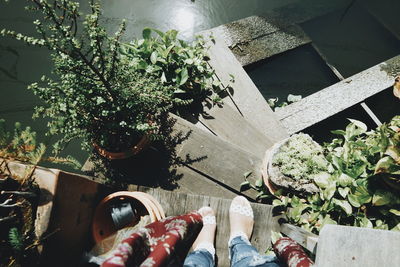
(322, 179)
(364, 222)
(163, 78)
(184, 76)
(344, 205)
(329, 191)
(395, 212)
(396, 228)
(277, 202)
(339, 132)
(343, 191)
(327, 220)
(293, 98)
(153, 57)
(344, 180)
(359, 124)
(247, 174)
(259, 182)
(354, 200)
(244, 186)
(179, 91)
(146, 33)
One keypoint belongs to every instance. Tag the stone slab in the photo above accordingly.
(338, 97)
(270, 45)
(357, 247)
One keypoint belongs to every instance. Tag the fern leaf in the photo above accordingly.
(15, 239)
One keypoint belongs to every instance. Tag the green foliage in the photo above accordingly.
(176, 63)
(355, 192)
(301, 158)
(107, 92)
(275, 105)
(21, 144)
(15, 239)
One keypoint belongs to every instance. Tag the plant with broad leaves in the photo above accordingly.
(356, 192)
(360, 187)
(176, 63)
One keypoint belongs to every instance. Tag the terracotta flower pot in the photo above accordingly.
(103, 225)
(142, 144)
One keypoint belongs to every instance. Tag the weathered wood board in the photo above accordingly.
(227, 123)
(338, 97)
(215, 158)
(177, 203)
(246, 96)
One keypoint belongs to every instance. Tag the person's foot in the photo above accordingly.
(241, 217)
(206, 236)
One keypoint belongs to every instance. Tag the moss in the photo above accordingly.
(300, 158)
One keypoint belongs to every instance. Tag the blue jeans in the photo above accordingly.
(242, 253)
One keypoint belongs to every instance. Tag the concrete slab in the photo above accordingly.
(269, 45)
(357, 247)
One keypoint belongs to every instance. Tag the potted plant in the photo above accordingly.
(113, 95)
(293, 163)
(361, 187)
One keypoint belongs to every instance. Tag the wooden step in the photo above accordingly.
(245, 95)
(214, 157)
(227, 123)
(179, 203)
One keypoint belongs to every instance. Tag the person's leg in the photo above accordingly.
(203, 254)
(242, 253)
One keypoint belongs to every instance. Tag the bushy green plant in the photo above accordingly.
(300, 158)
(355, 192)
(109, 93)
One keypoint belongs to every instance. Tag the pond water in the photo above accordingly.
(21, 65)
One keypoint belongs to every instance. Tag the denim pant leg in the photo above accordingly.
(199, 258)
(243, 254)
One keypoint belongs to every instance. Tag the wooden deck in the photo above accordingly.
(179, 203)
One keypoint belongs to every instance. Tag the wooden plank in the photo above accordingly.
(191, 182)
(184, 180)
(304, 238)
(177, 203)
(214, 157)
(357, 247)
(245, 95)
(338, 97)
(227, 123)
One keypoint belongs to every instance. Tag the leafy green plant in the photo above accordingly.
(354, 192)
(106, 92)
(176, 63)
